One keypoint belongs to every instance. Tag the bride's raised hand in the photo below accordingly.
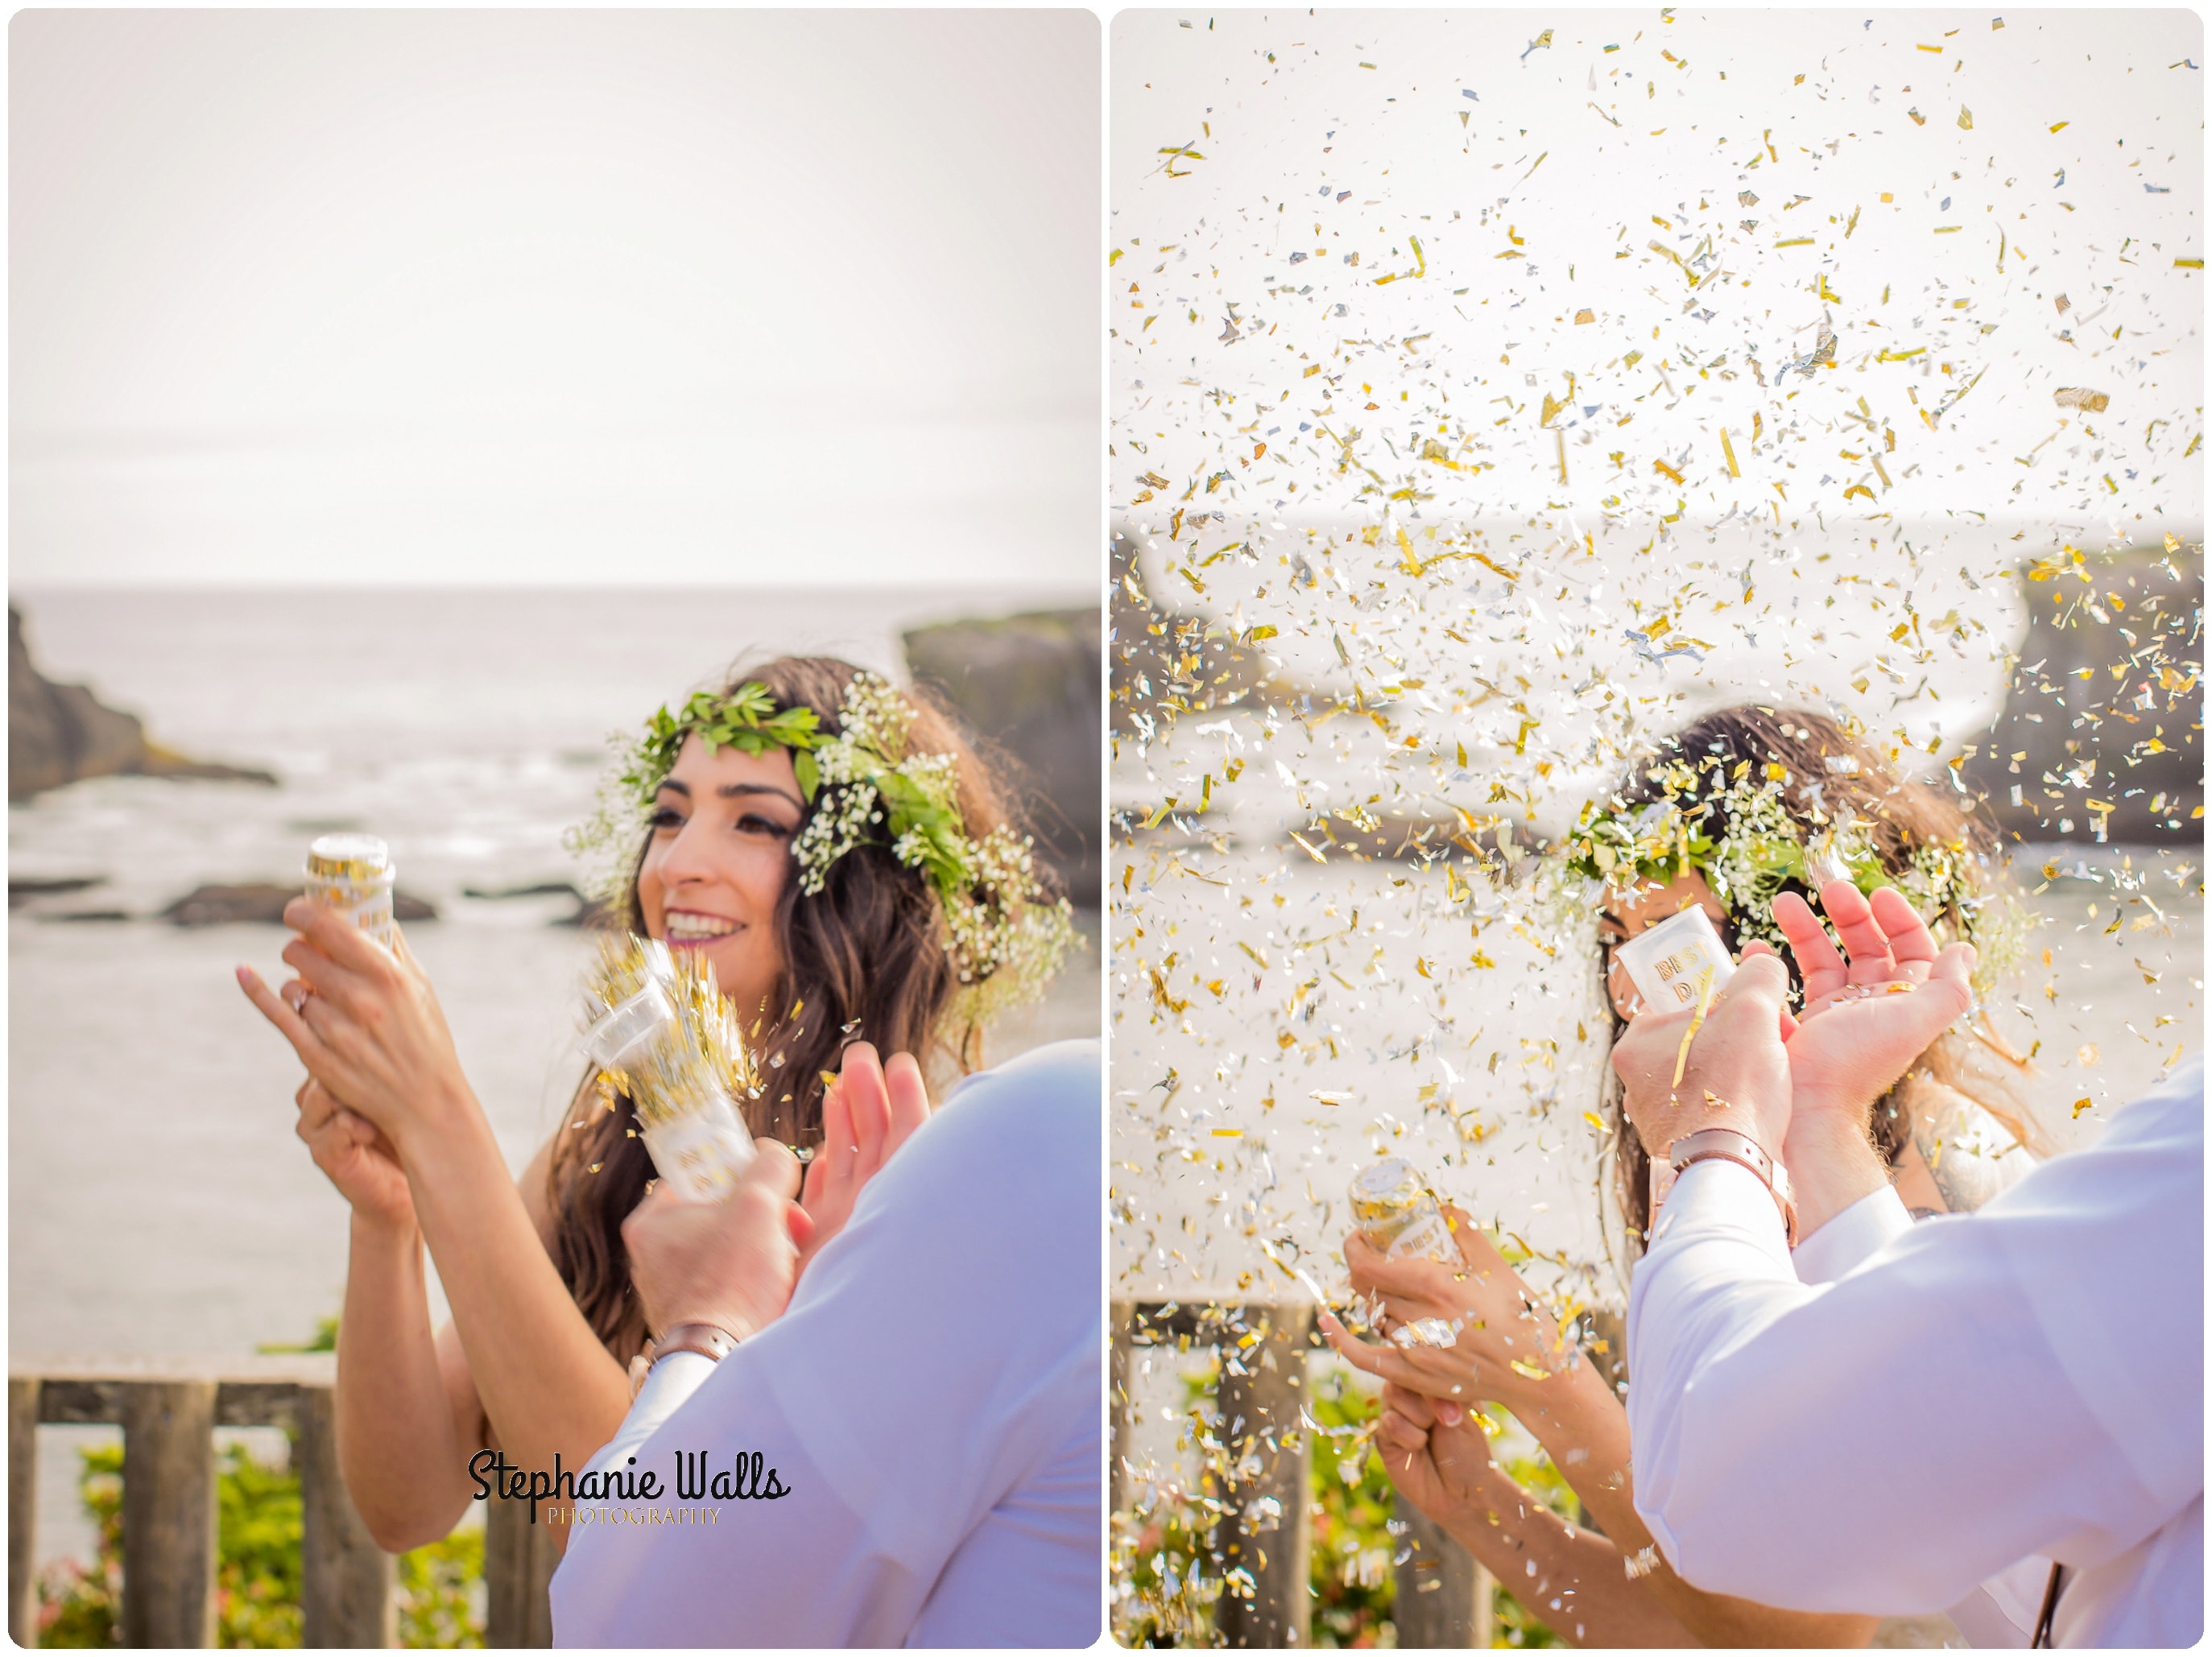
(355, 1157)
(367, 1024)
(868, 1112)
(1870, 1011)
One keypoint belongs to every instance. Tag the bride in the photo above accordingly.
(850, 869)
(1745, 813)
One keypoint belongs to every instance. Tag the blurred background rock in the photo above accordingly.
(2102, 735)
(57, 733)
(1031, 685)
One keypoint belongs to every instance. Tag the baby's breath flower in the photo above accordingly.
(1748, 843)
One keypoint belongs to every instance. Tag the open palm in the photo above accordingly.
(1872, 1009)
(870, 1110)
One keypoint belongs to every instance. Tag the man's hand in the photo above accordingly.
(730, 1262)
(1865, 1021)
(1736, 1074)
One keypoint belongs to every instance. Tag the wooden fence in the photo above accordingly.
(168, 1412)
(1443, 1596)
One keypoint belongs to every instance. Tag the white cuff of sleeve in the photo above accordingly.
(1852, 1237)
(1717, 1193)
(667, 1385)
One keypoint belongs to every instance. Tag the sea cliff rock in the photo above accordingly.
(1167, 663)
(589, 913)
(2102, 733)
(58, 734)
(1030, 684)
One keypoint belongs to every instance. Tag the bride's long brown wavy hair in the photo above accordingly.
(864, 959)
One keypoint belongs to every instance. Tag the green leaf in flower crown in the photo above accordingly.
(906, 802)
(809, 774)
(795, 727)
(948, 868)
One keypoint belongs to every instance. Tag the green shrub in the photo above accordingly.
(256, 1567)
(441, 1592)
(1175, 1581)
(257, 1574)
(1354, 1584)
(79, 1606)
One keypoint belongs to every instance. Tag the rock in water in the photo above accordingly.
(2105, 709)
(23, 890)
(589, 914)
(1151, 640)
(262, 902)
(57, 733)
(1029, 683)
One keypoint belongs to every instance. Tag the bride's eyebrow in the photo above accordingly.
(735, 790)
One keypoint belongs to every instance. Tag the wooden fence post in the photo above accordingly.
(345, 1579)
(22, 1510)
(168, 1514)
(1443, 1595)
(518, 1563)
(1259, 1409)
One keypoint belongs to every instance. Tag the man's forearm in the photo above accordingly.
(1833, 1164)
(1756, 1398)
(668, 1384)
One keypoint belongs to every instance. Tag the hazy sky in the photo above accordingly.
(583, 296)
(1570, 246)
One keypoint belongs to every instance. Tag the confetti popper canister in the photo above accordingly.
(1391, 1202)
(668, 1040)
(353, 875)
(1668, 964)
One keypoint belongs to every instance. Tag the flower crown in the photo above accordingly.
(866, 787)
(1748, 843)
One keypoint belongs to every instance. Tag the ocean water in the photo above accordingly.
(159, 1203)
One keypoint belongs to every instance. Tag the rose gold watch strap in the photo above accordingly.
(708, 1340)
(1723, 1142)
(1726, 1145)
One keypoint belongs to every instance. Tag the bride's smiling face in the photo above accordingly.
(716, 866)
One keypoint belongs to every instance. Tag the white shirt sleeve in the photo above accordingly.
(928, 1406)
(1852, 1237)
(2001, 1610)
(667, 1384)
(2043, 1357)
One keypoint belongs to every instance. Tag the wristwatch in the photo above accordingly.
(1727, 1145)
(708, 1340)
